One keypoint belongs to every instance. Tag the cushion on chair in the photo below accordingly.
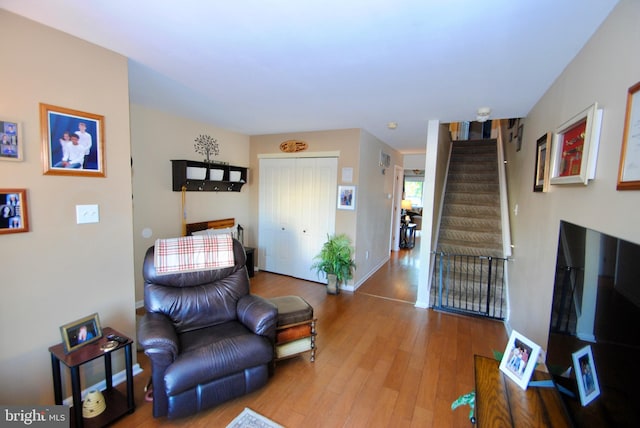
(292, 309)
(231, 348)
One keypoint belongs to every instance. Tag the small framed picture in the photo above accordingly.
(10, 140)
(81, 332)
(519, 359)
(629, 170)
(72, 142)
(541, 178)
(586, 376)
(575, 148)
(14, 213)
(520, 135)
(346, 197)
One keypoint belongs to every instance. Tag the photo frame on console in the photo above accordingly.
(519, 359)
(586, 376)
(575, 148)
(629, 171)
(81, 332)
(65, 133)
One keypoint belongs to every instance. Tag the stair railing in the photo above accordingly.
(504, 200)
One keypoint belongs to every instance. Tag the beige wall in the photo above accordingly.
(60, 271)
(373, 206)
(158, 137)
(603, 71)
(354, 146)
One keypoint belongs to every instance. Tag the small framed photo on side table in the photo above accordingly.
(586, 376)
(519, 359)
(81, 332)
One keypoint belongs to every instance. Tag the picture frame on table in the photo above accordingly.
(10, 140)
(586, 376)
(629, 171)
(519, 359)
(79, 333)
(72, 142)
(575, 148)
(347, 197)
(14, 211)
(541, 173)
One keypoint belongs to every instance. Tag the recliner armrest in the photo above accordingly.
(156, 334)
(258, 314)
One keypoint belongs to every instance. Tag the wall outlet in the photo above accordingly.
(87, 214)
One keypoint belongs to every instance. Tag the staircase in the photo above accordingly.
(469, 268)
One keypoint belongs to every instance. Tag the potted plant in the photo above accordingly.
(336, 261)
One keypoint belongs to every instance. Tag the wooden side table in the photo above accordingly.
(117, 404)
(502, 403)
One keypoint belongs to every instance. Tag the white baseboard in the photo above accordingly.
(421, 305)
(367, 276)
(116, 379)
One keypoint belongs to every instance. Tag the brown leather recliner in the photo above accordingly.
(209, 340)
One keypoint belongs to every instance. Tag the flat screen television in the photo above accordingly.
(596, 303)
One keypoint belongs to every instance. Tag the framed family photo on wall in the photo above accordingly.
(14, 216)
(10, 140)
(72, 142)
(346, 197)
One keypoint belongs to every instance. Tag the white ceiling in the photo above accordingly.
(260, 66)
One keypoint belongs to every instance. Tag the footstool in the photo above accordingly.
(296, 329)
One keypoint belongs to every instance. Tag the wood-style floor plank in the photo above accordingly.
(380, 362)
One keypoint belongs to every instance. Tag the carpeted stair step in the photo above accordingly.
(471, 224)
(474, 211)
(472, 198)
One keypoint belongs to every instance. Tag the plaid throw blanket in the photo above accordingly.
(193, 253)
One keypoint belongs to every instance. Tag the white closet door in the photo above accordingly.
(297, 211)
(276, 230)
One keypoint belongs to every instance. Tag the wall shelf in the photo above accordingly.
(207, 177)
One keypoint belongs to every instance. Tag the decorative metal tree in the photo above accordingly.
(207, 145)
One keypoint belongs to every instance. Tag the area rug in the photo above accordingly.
(250, 419)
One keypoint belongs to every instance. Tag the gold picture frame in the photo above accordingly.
(629, 171)
(575, 148)
(14, 211)
(72, 142)
(81, 332)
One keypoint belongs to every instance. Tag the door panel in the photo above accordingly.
(297, 211)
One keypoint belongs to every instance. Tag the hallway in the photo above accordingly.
(398, 278)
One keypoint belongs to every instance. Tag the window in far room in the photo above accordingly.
(413, 182)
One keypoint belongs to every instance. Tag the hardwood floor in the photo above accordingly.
(397, 279)
(379, 362)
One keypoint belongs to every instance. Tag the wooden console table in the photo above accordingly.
(502, 403)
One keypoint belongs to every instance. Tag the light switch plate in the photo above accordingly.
(87, 214)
